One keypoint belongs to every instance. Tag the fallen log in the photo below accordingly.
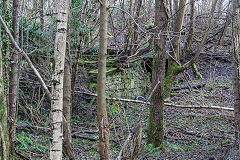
(166, 104)
(186, 87)
(84, 137)
(199, 107)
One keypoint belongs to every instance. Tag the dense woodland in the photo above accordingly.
(119, 79)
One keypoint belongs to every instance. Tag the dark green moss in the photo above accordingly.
(197, 72)
(155, 131)
(170, 78)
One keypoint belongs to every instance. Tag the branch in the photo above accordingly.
(130, 135)
(124, 145)
(187, 87)
(16, 46)
(194, 59)
(199, 107)
(166, 104)
(129, 16)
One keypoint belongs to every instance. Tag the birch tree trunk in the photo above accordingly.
(156, 122)
(13, 78)
(57, 81)
(103, 125)
(236, 57)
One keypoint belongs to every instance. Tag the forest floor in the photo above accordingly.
(189, 133)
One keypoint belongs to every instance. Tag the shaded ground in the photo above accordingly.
(190, 133)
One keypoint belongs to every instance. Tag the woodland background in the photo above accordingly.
(123, 79)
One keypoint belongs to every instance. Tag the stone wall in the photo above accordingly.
(128, 83)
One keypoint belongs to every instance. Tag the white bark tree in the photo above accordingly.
(57, 81)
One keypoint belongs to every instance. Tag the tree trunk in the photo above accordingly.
(57, 86)
(174, 69)
(13, 78)
(236, 57)
(192, 25)
(3, 113)
(102, 118)
(175, 43)
(175, 7)
(67, 98)
(156, 122)
(42, 13)
(136, 29)
(5, 5)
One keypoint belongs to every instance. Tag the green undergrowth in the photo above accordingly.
(32, 143)
(189, 133)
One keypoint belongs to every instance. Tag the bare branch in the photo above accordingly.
(25, 55)
(194, 59)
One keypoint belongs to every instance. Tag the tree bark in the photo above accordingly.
(156, 122)
(5, 5)
(192, 25)
(3, 112)
(175, 7)
(102, 118)
(236, 58)
(67, 97)
(136, 29)
(174, 69)
(175, 47)
(41, 13)
(13, 78)
(57, 86)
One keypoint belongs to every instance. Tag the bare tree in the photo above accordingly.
(57, 86)
(67, 97)
(174, 67)
(236, 57)
(175, 49)
(156, 124)
(13, 78)
(135, 38)
(102, 117)
(192, 25)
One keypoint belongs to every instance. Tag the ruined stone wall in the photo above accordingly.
(128, 83)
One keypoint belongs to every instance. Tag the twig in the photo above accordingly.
(194, 59)
(133, 131)
(24, 125)
(22, 156)
(27, 58)
(124, 145)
